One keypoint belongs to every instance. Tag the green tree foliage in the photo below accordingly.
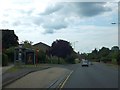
(93, 56)
(115, 48)
(84, 56)
(10, 54)
(118, 58)
(27, 44)
(95, 51)
(61, 48)
(41, 57)
(105, 54)
(70, 58)
(9, 39)
(114, 54)
(63, 51)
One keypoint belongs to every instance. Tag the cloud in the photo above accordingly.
(16, 23)
(28, 12)
(48, 31)
(52, 8)
(56, 16)
(55, 24)
(38, 20)
(86, 9)
(82, 21)
(61, 15)
(89, 9)
(4, 22)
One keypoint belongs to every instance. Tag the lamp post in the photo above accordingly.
(74, 44)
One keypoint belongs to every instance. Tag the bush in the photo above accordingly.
(77, 60)
(41, 57)
(114, 61)
(103, 60)
(118, 59)
(10, 54)
(4, 59)
(54, 60)
(70, 59)
(47, 59)
(62, 61)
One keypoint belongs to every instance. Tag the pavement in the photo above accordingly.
(12, 74)
(46, 78)
(5, 68)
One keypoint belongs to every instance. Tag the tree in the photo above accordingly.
(84, 56)
(114, 54)
(9, 39)
(27, 44)
(104, 51)
(41, 57)
(115, 48)
(10, 53)
(104, 54)
(118, 58)
(95, 51)
(4, 59)
(94, 55)
(61, 48)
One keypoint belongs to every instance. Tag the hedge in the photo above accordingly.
(4, 59)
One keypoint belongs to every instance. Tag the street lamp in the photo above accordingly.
(74, 44)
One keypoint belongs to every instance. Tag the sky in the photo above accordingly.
(86, 25)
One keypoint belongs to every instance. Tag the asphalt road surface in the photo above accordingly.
(98, 75)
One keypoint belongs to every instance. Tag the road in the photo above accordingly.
(98, 75)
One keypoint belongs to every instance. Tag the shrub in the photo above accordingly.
(10, 54)
(54, 60)
(41, 57)
(70, 59)
(47, 59)
(62, 61)
(77, 60)
(4, 59)
(114, 61)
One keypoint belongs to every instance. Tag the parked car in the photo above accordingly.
(85, 63)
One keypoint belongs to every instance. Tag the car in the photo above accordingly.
(85, 63)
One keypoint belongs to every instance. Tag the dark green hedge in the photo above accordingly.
(4, 59)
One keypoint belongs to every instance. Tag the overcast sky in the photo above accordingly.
(88, 24)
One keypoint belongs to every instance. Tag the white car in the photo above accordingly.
(85, 63)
